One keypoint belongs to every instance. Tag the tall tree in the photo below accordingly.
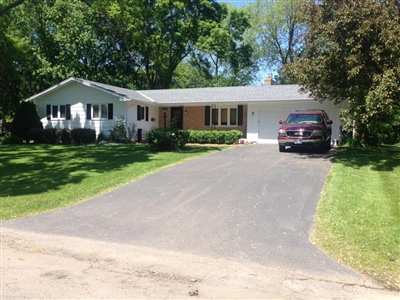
(353, 54)
(276, 31)
(158, 34)
(222, 57)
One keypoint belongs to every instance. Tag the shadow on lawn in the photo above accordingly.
(383, 158)
(35, 169)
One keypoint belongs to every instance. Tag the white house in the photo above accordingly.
(255, 110)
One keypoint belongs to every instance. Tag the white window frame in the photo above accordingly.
(101, 117)
(58, 117)
(228, 117)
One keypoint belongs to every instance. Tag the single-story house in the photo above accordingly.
(254, 110)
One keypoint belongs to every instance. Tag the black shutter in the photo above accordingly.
(48, 111)
(110, 111)
(68, 112)
(207, 115)
(88, 111)
(240, 115)
(147, 113)
(138, 112)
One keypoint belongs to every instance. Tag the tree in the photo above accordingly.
(158, 34)
(4, 8)
(353, 54)
(276, 31)
(25, 119)
(222, 57)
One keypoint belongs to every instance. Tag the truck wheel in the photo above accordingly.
(282, 148)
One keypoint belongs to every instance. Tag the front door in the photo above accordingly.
(177, 114)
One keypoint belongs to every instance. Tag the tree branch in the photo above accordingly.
(6, 8)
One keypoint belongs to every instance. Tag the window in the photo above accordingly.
(142, 113)
(224, 116)
(99, 111)
(57, 112)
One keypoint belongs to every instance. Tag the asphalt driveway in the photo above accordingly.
(248, 203)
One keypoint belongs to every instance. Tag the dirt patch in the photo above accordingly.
(42, 267)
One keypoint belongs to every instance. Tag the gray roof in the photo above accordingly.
(243, 94)
(210, 95)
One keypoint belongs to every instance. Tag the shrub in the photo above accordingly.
(10, 139)
(83, 136)
(118, 132)
(50, 136)
(36, 135)
(214, 136)
(167, 139)
(63, 136)
(26, 118)
(102, 137)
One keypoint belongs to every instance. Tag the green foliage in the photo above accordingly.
(83, 136)
(102, 137)
(25, 119)
(50, 136)
(221, 57)
(353, 54)
(277, 33)
(167, 139)
(214, 137)
(63, 136)
(10, 139)
(118, 133)
(36, 135)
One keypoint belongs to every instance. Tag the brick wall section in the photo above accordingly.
(193, 118)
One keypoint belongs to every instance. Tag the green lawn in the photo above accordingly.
(358, 218)
(38, 178)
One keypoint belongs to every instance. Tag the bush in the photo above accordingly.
(35, 135)
(83, 136)
(118, 132)
(214, 136)
(10, 139)
(102, 137)
(26, 118)
(50, 136)
(167, 139)
(63, 136)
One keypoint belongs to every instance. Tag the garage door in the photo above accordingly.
(268, 126)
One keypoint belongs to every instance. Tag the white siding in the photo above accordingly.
(263, 118)
(131, 117)
(78, 95)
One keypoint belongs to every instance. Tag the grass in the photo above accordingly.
(38, 178)
(358, 218)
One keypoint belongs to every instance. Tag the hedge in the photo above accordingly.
(214, 136)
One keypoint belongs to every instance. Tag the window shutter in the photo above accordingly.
(138, 112)
(68, 112)
(240, 115)
(88, 111)
(147, 113)
(110, 111)
(48, 111)
(207, 115)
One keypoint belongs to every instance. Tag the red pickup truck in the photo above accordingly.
(306, 128)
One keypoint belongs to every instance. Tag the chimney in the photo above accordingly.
(268, 80)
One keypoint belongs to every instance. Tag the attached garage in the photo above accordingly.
(263, 118)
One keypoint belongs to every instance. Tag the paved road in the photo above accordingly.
(234, 224)
(247, 203)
